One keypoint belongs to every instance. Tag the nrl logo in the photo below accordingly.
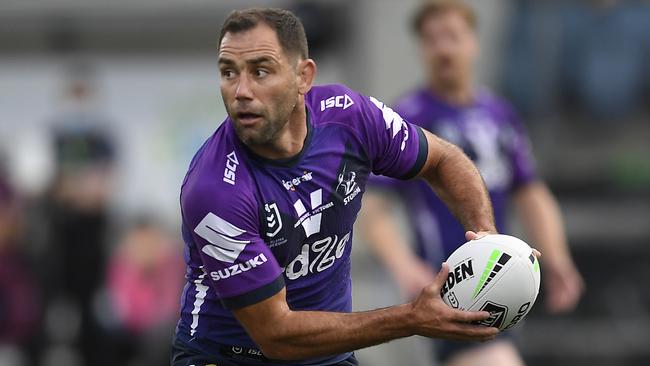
(273, 219)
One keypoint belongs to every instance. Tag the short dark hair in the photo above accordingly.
(435, 7)
(287, 26)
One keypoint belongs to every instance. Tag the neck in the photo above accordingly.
(459, 94)
(290, 140)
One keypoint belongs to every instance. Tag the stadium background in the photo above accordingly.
(102, 105)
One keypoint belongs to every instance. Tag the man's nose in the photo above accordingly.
(244, 88)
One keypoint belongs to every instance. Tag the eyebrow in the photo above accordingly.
(254, 61)
(259, 60)
(225, 61)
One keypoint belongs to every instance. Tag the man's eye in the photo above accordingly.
(228, 74)
(260, 73)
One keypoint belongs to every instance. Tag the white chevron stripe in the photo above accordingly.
(220, 233)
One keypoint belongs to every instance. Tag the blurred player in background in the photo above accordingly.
(77, 218)
(487, 129)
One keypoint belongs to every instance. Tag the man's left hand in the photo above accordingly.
(471, 235)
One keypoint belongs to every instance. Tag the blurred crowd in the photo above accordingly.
(80, 285)
(75, 289)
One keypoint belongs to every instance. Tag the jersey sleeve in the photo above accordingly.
(239, 265)
(396, 148)
(521, 154)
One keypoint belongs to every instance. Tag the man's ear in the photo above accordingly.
(306, 73)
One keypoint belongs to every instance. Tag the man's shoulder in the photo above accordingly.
(333, 99)
(338, 104)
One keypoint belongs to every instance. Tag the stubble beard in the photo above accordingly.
(271, 126)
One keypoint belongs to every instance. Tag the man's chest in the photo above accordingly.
(309, 209)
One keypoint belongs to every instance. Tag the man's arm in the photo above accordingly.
(379, 229)
(282, 333)
(455, 179)
(542, 220)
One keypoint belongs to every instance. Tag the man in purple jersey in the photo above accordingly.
(269, 202)
(486, 128)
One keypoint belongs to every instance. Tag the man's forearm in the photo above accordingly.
(459, 184)
(292, 335)
(310, 334)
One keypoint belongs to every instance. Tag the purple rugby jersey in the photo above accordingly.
(491, 135)
(252, 226)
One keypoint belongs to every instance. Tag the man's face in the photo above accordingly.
(259, 83)
(449, 47)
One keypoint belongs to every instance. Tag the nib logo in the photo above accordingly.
(497, 314)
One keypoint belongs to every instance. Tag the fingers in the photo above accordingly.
(537, 253)
(470, 235)
(473, 235)
(441, 278)
(469, 332)
(464, 316)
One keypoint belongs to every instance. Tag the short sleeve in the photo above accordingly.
(241, 268)
(397, 148)
(521, 155)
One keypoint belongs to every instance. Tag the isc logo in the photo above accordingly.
(231, 168)
(339, 101)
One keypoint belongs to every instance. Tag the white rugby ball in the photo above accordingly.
(496, 273)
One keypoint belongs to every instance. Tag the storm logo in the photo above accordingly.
(347, 186)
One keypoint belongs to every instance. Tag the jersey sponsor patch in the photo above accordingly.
(311, 220)
(340, 101)
(317, 257)
(231, 167)
(221, 236)
(292, 183)
(238, 268)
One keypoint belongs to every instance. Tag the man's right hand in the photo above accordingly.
(435, 319)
